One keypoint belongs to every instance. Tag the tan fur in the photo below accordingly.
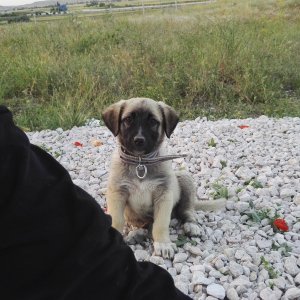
(153, 199)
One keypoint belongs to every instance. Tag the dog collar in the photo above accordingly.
(143, 160)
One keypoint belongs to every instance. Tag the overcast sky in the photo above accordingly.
(15, 2)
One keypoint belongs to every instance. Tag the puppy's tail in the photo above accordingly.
(210, 205)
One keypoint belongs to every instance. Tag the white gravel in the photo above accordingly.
(257, 166)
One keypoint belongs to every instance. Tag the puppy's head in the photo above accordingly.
(140, 123)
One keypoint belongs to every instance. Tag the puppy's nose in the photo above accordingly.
(139, 140)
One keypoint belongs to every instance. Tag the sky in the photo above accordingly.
(15, 2)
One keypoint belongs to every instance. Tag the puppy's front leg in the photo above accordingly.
(162, 217)
(115, 207)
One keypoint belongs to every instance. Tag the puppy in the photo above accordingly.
(142, 187)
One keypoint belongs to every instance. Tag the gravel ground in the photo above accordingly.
(240, 253)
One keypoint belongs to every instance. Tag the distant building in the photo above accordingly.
(62, 8)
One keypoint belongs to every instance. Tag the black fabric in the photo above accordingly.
(55, 241)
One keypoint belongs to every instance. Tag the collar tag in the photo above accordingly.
(141, 170)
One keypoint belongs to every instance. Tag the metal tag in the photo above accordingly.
(143, 169)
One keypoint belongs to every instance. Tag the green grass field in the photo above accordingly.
(222, 60)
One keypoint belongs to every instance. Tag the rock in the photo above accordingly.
(297, 279)
(195, 250)
(229, 252)
(158, 260)
(230, 204)
(285, 193)
(180, 257)
(269, 294)
(242, 206)
(239, 254)
(215, 274)
(263, 244)
(185, 271)
(210, 258)
(252, 296)
(182, 286)
(168, 263)
(253, 276)
(172, 271)
(246, 271)
(244, 196)
(181, 278)
(200, 268)
(199, 278)
(99, 173)
(263, 275)
(201, 193)
(279, 237)
(296, 214)
(219, 264)
(178, 267)
(297, 199)
(224, 270)
(241, 281)
(234, 239)
(279, 282)
(197, 288)
(244, 173)
(235, 269)
(216, 290)
(141, 255)
(232, 294)
(218, 234)
(292, 294)
(136, 236)
(290, 265)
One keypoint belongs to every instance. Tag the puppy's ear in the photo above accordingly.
(112, 116)
(170, 118)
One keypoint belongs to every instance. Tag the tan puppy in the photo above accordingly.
(142, 187)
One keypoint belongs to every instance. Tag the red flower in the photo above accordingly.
(243, 126)
(78, 144)
(281, 224)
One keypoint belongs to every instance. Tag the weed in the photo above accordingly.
(271, 284)
(258, 215)
(272, 272)
(212, 143)
(284, 248)
(232, 140)
(223, 163)
(182, 240)
(253, 182)
(220, 191)
(45, 148)
(238, 190)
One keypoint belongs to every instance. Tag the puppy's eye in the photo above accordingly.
(127, 121)
(153, 122)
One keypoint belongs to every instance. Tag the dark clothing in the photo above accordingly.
(55, 241)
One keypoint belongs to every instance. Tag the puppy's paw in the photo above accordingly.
(166, 250)
(192, 229)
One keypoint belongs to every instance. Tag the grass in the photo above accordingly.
(267, 266)
(182, 240)
(220, 191)
(212, 143)
(254, 182)
(223, 60)
(261, 214)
